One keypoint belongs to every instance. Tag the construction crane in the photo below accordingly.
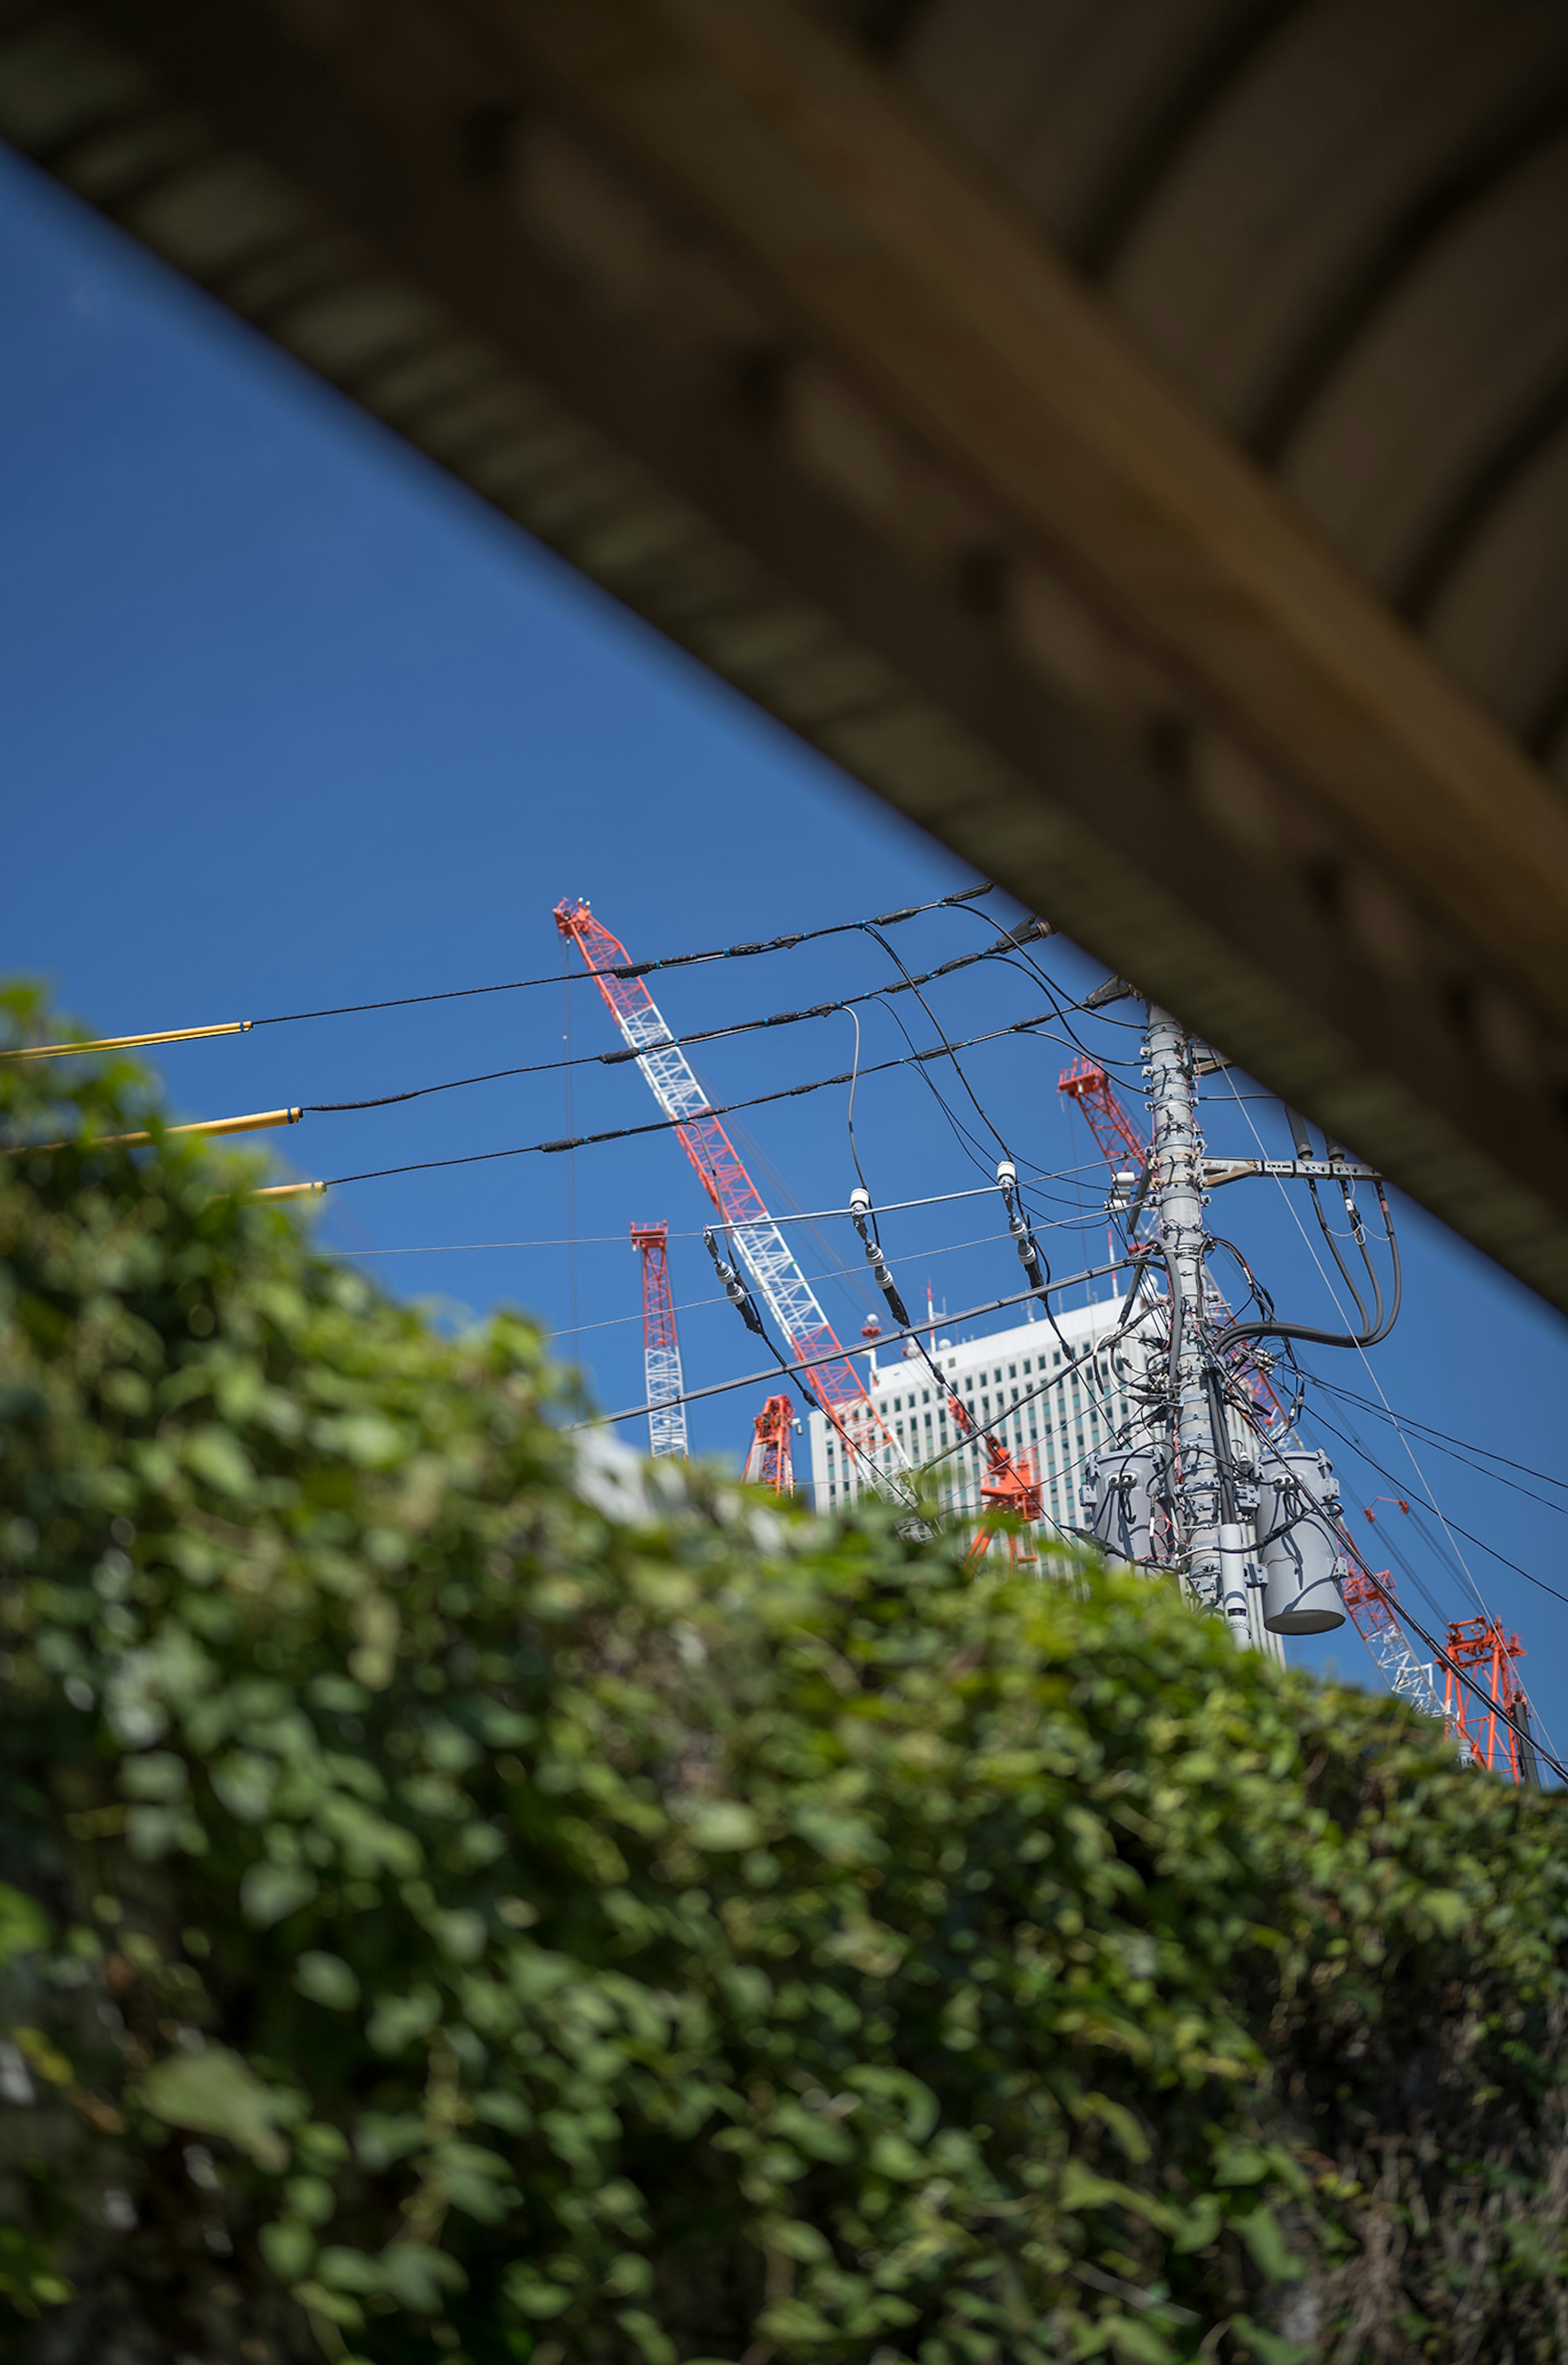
(1496, 1732)
(827, 1371)
(661, 1347)
(770, 1463)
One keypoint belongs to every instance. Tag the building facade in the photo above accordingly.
(1043, 1389)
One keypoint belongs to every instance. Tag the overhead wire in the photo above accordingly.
(960, 898)
(913, 986)
(1456, 1565)
(664, 1043)
(812, 1363)
(670, 1125)
(1065, 1009)
(1371, 1372)
(618, 1239)
(1460, 1444)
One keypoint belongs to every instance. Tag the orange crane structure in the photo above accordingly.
(827, 1371)
(770, 1463)
(1496, 1727)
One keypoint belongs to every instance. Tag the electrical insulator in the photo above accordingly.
(1304, 1563)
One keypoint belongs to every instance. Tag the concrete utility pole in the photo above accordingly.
(1211, 1556)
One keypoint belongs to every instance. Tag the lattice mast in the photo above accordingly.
(770, 1463)
(661, 1346)
(783, 1287)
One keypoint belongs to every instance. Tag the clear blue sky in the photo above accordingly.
(289, 721)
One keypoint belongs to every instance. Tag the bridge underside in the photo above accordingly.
(1133, 441)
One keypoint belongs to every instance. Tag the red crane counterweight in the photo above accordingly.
(770, 1463)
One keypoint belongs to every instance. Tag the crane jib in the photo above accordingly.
(782, 1286)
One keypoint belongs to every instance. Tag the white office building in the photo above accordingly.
(1019, 1383)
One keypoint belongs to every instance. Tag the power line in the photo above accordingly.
(619, 1058)
(1463, 1445)
(1479, 1541)
(514, 985)
(807, 1216)
(695, 1305)
(1445, 1523)
(811, 1363)
(671, 1124)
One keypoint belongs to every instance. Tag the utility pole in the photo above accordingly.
(1211, 1555)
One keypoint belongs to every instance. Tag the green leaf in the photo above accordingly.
(1260, 2229)
(325, 1980)
(270, 1892)
(288, 2248)
(723, 1824)
(23, 1927)
(213, 2092)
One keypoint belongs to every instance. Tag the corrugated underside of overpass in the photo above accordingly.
(1132, 441)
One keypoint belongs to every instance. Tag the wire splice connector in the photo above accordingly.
(733, 1286)
(862, 1215)
(1024, 1240)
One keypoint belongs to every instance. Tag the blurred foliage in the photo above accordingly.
(473, 1899)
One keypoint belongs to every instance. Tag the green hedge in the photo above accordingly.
(466, 1900)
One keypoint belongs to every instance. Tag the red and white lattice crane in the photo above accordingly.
(661, 1347)
(830, 1375)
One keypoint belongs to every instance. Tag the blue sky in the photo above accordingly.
(290, 722)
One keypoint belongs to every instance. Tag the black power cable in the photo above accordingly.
(672, 1124)
(642, 1050)
(1366, 1338)
(1461, 1444)
(642, 968)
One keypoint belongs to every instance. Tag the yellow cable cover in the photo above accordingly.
(259, 1123)
(127, 1042)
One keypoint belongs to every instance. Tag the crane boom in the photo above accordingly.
(783, 1287)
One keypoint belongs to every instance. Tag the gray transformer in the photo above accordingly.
(1299, 1501)
(1125, 1496)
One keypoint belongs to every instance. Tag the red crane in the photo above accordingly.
(1108, 1121)
(1495, 1729)
(769, 1464)
(661, 1348)
(831, 1376)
